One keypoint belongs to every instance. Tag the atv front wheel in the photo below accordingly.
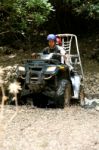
(63, 94)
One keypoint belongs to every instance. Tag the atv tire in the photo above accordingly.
(63, 94)
(82, 96)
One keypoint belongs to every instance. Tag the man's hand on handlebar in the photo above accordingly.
(35, 55)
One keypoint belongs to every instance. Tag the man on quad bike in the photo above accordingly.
(65, 59)
(52, 73)
(53, 48)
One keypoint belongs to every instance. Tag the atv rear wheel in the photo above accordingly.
(63, 94)
(67, 94)
(82, 96)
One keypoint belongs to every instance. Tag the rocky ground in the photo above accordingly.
(72, 128)
(91, 81)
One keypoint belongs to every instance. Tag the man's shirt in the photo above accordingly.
(56, 49)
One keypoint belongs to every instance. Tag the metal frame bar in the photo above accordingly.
(69, 39)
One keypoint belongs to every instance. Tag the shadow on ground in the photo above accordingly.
(40, 101)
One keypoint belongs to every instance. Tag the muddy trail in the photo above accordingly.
(72, 128)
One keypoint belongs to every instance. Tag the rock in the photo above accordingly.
(97, 108)
(12, 56)
(91, 103)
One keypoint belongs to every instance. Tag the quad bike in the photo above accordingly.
(47, 76)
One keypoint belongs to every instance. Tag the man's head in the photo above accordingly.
(51, 40)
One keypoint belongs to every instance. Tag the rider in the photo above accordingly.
(53, 48)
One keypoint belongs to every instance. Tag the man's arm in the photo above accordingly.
(65, 58)
(62, 52)
(44, 51)
(35, 55)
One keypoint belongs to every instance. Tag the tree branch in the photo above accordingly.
(4, 32)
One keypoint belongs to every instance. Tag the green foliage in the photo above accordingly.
(85, 8)
(23, 15)
(88, 9)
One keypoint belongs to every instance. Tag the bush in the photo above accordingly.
(23, 15)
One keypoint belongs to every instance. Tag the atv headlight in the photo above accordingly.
(50, 69)
(22, 69)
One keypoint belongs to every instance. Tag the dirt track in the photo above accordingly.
(73, 128)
